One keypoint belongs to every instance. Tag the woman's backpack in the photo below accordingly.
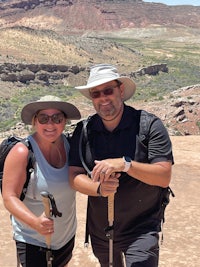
(5, 148)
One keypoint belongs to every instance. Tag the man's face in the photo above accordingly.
(107, 99)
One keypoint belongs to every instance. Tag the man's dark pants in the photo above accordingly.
(143, 251)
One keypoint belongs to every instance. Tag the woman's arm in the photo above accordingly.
(14, 177)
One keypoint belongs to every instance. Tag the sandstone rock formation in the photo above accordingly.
(101, 15)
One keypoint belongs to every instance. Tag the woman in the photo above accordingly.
(31, 227)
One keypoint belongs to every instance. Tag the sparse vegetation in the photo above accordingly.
(10, 110)
(179, 53)
(130, 51)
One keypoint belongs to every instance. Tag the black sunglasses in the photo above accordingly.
(106, 91)
(55, 118)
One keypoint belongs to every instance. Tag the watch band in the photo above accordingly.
(99, 190)
(127, 163)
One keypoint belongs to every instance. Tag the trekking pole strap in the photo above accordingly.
(86, 243)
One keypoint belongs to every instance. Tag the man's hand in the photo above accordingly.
(110, 186)
(105, 169)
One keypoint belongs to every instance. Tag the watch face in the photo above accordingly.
(128, 159)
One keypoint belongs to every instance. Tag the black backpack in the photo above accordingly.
(5, 147)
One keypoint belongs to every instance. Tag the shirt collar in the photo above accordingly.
(126, 120)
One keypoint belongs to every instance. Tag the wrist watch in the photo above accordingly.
(127, 163)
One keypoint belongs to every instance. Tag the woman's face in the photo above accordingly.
(50, 123)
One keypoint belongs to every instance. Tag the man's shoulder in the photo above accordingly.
(139, 111)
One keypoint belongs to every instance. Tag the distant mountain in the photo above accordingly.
(75, 16)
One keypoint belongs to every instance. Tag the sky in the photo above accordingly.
(176, 2)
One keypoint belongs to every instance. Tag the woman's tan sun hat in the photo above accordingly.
(49, 102)
(103, 73)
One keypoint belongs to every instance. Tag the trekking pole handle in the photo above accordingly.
(111, 209)
(47, 211)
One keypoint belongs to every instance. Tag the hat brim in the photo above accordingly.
(31, 109)
(129, 87)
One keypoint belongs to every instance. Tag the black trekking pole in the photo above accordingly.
(48, 199)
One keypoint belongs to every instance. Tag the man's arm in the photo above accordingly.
(158, 174)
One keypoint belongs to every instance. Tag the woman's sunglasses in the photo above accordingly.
(55, 118)
(105, 92)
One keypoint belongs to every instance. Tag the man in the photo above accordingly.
(145, 173)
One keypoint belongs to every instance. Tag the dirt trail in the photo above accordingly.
(181, 230)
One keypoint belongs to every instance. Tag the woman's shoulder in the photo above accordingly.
(19, 149)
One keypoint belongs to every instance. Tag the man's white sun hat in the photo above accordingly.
(103, 73)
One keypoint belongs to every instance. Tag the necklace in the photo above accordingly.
(53, 152)
(55, 156)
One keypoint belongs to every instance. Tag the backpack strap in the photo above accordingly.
(146, 120)
(84, 141)
(29, 167)
(86, 242)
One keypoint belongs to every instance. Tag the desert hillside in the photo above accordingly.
(48, 47)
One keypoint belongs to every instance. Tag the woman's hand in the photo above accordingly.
(44, 225)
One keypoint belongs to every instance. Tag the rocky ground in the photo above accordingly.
(179, 111)
(181, 229)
